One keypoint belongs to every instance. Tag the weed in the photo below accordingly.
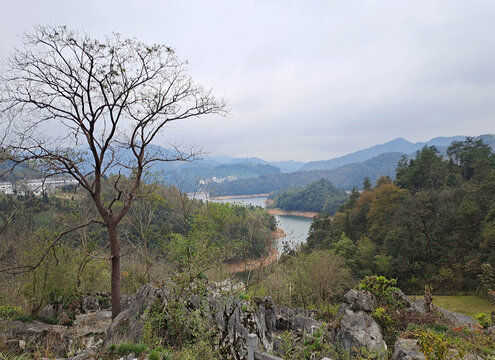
(127, 348)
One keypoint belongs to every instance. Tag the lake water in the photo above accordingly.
(296, 227)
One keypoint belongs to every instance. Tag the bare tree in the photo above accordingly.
(104, 103)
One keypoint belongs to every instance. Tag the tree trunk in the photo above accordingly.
(115, 255)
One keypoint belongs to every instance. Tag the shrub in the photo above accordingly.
(10, 312)
(382, 288)
(483, 319)
(432, 345)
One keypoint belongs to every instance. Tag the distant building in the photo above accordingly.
(7, 188)
(35, 186)
(217, 180)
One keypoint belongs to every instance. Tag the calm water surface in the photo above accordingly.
(296, 227)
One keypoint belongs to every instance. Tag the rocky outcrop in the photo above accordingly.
(354, 327)
(296, 319)
(87, 333)
(233, 317)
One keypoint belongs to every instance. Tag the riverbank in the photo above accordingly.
(306, 214)
(227, 197)
(252, 264)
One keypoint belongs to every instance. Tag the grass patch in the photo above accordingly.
(127, 348)
(464, 304)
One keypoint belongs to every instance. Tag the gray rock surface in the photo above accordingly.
(233, 317)
(88, 332)
(357, 329)
(296, 319)
(354, 327)
(48, 311)
(407, 349)
(360, 300)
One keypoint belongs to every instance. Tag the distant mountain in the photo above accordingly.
(344, 177)
(285, 166)
(399, 145)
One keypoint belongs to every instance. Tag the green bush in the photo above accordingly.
(433, 345)
(483, 319)
(10, 312)
(159, 354)
(383, 289)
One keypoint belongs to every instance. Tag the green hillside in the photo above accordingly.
(320, 196)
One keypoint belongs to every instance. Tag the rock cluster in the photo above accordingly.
(355, 328)
(232, 317)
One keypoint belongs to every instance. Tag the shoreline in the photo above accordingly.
(306, 214)
(227, 197)
(252, 264)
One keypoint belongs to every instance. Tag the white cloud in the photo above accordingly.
(308, 80)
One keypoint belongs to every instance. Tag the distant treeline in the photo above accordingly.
(320, 196)
(434, 225)
(344, 177)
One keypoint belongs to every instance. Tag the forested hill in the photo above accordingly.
(344, 177)
(434, 225)
(320, 196)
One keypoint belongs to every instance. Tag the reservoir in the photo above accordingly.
(296, 228)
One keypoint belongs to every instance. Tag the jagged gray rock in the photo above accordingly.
(354, 328)
(87, 333)
(360, 300)
(296, 319)
(233, 317)
(48, 311)
(407, 349)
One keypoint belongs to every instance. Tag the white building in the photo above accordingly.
(35, 186)
(7, 188)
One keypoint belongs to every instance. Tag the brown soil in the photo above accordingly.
(226, 197)
(307, 214)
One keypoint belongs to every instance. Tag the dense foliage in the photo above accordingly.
(320, 196)
(165, 233)
(434, 225)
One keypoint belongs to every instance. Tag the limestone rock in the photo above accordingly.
(48, 311)
(407, 349)
(357, 329)
(296, 319)
(87, 334)
(89, 303)
(360, 300)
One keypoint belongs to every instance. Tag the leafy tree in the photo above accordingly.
(367, 184)
(108, 100)
(426, 171)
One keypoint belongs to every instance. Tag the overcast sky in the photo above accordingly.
(307, 80)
